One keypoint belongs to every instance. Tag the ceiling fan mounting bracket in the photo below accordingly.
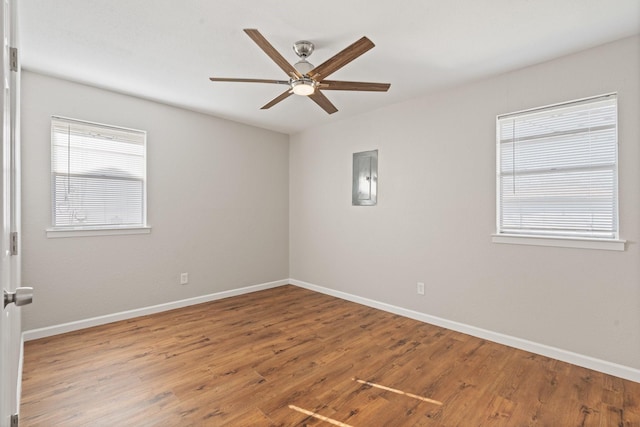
(303, 48)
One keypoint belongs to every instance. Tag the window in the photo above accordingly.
(98, 176)
(557, 171)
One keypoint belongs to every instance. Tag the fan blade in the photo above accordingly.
(277, 99)
(272, 52)
(341, 59)
(319, 98)
(361, 86)
(224, 79)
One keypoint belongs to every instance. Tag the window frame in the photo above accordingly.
(567, 241)
(55, 231)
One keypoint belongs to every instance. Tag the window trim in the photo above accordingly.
(53, 233)
(99, 230)
(614, 244)
(560, 242)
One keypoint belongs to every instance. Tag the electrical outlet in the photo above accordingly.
(420, 288)
(184, 278)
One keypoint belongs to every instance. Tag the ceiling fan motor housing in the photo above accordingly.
(303, 66)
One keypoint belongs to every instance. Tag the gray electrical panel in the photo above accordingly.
(365, 178)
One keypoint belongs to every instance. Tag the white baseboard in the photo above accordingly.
(124, 315)
(604, 366)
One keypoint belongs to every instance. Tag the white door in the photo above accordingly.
(10, 342)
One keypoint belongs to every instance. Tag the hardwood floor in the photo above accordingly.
(291, 357)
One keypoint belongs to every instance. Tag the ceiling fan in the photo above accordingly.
(307, 80)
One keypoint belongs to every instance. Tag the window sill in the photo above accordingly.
(53, 233)
(561, 242)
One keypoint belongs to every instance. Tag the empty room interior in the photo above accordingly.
(445, 233)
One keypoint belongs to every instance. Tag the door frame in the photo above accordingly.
(10, 328)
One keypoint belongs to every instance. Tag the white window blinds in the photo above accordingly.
(557, 170)
(98, 175)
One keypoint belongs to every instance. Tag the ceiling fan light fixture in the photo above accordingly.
(303, 87)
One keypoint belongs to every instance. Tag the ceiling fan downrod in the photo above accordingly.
(303, 49)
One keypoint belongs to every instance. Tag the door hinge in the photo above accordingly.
(14, 420)
(13, 58)
(14, 243)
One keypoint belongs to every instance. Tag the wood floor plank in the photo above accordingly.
(247, 360)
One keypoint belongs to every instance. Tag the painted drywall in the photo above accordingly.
(436, 212)
(217, 205)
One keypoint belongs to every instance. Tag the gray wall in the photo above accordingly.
(436, 213)
(223, 208)
(217, 204)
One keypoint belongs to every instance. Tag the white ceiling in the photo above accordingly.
(166, 50)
